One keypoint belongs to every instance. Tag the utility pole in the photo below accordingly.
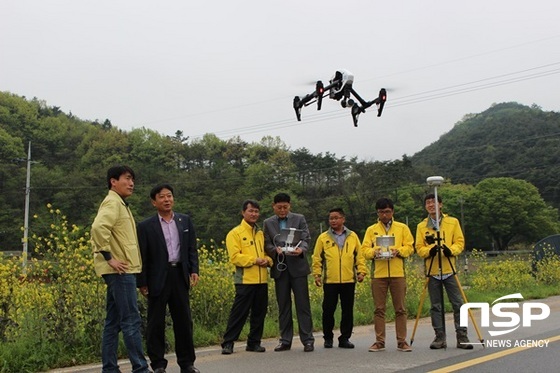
(26, 217)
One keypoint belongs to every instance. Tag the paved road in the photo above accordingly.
(490, 359)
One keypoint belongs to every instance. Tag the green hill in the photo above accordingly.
(507, 140)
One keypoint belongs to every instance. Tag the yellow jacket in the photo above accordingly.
(114, 230)
(451, 235)
(338, 264)
(404, 241)
(244, 245)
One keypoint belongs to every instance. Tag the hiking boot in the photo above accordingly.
(345, 343)
(463, 340)
(404, 347)
(377, 346)
(227, 349)
(255, 348)
(439, 341)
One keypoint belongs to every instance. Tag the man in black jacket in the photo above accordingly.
(169, 267)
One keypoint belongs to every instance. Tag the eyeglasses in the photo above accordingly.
(384, 212)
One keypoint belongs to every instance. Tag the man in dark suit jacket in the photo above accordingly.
(290, 271)
(169, 267)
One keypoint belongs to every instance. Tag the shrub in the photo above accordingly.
(509, 273)
(56, 300)
(548, 268)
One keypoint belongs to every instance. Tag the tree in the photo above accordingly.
(12, 182)
(504, 209)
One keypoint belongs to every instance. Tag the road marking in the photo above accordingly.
(483, 359)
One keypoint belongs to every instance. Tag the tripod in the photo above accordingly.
(435, 181)
(463, 295)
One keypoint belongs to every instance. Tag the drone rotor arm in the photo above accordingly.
(380, 101)
(319, 91)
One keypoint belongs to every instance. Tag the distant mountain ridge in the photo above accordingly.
(507, 140)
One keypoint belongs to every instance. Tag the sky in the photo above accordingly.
(232, 68)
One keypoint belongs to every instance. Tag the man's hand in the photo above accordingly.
(433, 251)
(144, 291)
(297, 251)
(117, 265)
(360, 277)
(194, 279)
(261, 262)
(318, 281)
(447, 251)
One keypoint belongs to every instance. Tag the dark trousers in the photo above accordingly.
(249, 299)
(331, 294)
(453, 294)
(175, 294)
(284, 286)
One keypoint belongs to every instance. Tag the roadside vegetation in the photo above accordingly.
(52, 310)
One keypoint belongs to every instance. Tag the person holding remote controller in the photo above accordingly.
(388, 271)
(289, 271)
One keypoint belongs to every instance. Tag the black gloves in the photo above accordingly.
(433, 251)
(430, 239)
(446, 251)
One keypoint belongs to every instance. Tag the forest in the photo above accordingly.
(501, 170)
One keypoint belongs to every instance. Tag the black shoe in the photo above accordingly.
(255, 348)
(282, 347)
(227, 349)
(190, 369)
(308, 347)
(328, 343)
(159, 370)
(345, 344)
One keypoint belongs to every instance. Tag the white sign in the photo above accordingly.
(531, 311)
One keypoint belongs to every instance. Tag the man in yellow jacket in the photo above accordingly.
(452, 244)
(245, 245)
(337, 265)
(117, 259)
(388, 271)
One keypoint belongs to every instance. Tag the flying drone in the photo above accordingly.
(340, 89)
